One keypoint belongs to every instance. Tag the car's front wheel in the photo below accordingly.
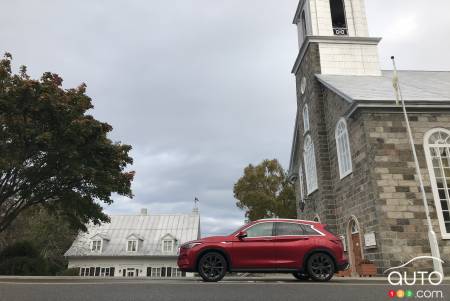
(301, 276)
(212, 267)
(320, 267)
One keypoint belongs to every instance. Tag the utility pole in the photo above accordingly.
(437, 264)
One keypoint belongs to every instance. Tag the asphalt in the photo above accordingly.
(258, 289)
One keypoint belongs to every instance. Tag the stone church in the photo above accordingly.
(351, 160)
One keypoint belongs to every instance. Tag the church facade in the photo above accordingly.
(351, 160)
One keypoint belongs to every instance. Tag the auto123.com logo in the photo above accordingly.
(399, 278)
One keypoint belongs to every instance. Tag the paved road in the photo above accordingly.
(168, 290)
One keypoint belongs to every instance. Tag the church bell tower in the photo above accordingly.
(339, 29)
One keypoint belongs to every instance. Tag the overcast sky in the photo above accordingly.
(199, 88)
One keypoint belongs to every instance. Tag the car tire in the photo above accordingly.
(320, 267)
(212, 267)
(301, 276)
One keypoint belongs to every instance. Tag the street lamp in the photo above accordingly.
(437, 264)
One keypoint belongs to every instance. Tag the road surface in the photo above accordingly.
(186, 290)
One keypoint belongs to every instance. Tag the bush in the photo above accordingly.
(70, 272)
(22, 259)
(23, 266)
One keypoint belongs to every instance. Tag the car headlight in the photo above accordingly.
(190, 245)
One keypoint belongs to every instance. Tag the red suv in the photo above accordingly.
(304, 248)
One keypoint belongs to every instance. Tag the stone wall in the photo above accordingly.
(355, 194)
(401, 215)
(321, 201)
(382, 191)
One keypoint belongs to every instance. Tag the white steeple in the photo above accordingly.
(340, 29)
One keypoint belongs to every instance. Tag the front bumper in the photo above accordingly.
(186, 261)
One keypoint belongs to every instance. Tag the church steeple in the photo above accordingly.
(340, 29)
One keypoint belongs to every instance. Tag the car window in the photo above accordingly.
(261, 229)
(289, 229)
(309, 230)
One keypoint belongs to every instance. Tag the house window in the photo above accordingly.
(156, 272)
(305, 118)
(437, 152)
(167, 246)
(343, 149)
(300, 183)
(310, 165)
(132, 246)
(96, 246)
(338, 18)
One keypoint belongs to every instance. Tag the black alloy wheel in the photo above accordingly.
(320, 267)
(301, 276)
(212, 267)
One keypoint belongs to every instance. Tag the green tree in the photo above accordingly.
(264, 191)
(53, 153)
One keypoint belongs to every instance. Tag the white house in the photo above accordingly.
(142, 245)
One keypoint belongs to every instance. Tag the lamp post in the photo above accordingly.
(431, 235)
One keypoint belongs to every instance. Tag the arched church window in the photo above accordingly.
(301, 183)
(309, 157)
(317, 218)
(437, 152)
(343, 149)
(338, 17)
(305, 119)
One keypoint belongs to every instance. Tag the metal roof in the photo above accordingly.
(151, 229)
(417, 86)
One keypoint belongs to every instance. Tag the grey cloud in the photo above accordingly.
(200, 88)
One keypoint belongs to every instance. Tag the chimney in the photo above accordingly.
(144, 211)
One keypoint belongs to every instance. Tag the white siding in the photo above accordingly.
(349, 59)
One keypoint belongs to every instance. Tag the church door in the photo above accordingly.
(355, 246)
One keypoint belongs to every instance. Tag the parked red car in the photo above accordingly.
(304, 248)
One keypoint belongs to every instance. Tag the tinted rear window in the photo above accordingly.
(289, 229)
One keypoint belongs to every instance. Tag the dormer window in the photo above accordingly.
(338, 17)
(98, 242)
(168, 245)
(134, 241)
(132, 245)
(96, 246)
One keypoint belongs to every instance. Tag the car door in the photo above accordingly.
(291, 244)
(256, 250)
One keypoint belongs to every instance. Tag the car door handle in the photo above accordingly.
(303, 238)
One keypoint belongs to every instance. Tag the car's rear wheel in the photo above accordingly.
(320, 267)
(301, 276)
(212, 267)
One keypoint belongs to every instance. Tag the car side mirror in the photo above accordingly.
(242, 235)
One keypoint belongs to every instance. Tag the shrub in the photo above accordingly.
(22, 259)
(70, 272)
